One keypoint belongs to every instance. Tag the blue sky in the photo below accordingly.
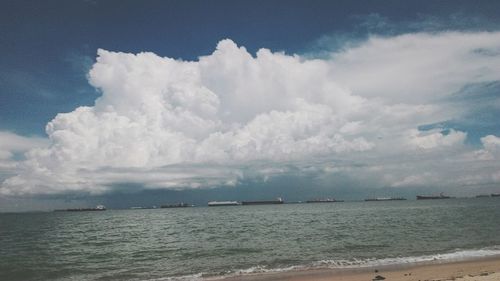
(49, 48)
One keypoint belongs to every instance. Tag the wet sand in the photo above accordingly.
(477, 270)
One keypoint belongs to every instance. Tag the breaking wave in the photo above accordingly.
(457, 255)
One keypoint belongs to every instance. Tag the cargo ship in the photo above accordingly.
(385, 199)
(265, 202)
(441, 196)
(178, 205)
(97, 208)
(223, 203)
(326, 200)
(143, 208)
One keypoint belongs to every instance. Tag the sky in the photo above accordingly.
(152, 102)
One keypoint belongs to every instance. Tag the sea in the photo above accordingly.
(200, 242)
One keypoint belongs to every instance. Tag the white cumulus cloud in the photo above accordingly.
(13, 147)
(167, 123)
(435, 139)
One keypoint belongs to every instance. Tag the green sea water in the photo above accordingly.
(189, 243)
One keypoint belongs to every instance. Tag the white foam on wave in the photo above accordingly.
(264, 269)
(458, 255)
(191, 277)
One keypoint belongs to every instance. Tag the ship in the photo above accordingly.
(441, 196)
(326, 200)
(223, 203)
(264, 202)
(178, 205)
(495, 195)
(482, 195)
(385, 199)
(143, 208)
(97, 208)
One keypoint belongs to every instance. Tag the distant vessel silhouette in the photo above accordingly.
(178, 205)
(223, 203)
(441, 196)
(386, 199)
(97, 208)
(326, 200)
(265, 202)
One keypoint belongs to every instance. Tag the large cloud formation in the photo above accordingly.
(166, 123)
(12, 144)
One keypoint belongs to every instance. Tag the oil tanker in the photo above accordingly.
(326, 200)
(265, 202)
(223, 203)
(386, 199)
(441, 196)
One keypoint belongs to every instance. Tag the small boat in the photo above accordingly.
(441, 196)
(385, 199)
(223, 203)
(265, 202)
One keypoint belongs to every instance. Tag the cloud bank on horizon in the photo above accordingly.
(231, 115)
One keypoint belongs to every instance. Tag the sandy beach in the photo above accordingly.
(477, 270)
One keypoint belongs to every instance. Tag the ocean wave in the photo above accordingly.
(457, 255)
(190, 277)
